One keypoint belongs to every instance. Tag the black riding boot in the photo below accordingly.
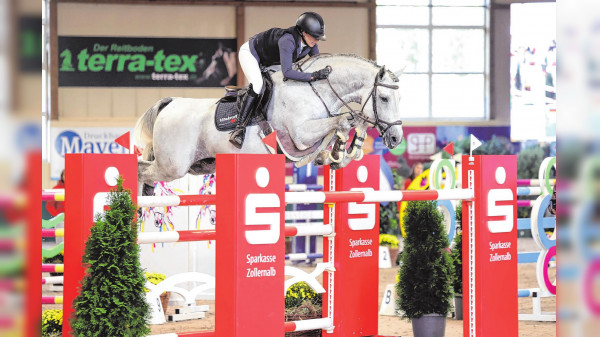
(237, 136)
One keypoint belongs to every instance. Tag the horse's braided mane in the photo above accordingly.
(356, 57)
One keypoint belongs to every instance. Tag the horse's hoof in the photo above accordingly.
(335, 166)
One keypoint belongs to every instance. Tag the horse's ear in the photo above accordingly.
(381, 72)
(399, 72)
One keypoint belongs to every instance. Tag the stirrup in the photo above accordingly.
(237, 137)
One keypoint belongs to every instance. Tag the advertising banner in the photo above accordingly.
(87, 61)
(82, 140)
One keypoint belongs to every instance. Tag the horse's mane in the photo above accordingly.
(352, 56)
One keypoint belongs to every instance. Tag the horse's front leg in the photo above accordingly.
(308, 133)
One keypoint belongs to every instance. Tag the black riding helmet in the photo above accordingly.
(313, 24)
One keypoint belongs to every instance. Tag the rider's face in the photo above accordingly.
(311, 41)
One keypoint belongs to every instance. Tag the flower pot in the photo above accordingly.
(164, 300)
(458, 306)
(430, 325)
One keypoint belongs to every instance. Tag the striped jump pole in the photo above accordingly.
(53, 280)
(533, 182)
(303, 187)
(155, 201)
(303, 256)
(53, 268)
(187, 334)
(211, 234)
(525, 203)
(52, 300)
(376, 196)
(304, 325)
(49, 196)
(53, 233)
(176, 200)
(522, 191)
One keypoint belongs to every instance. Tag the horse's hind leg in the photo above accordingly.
(150, 172)
(145, 180)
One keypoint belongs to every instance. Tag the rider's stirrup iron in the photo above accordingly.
(237, 137)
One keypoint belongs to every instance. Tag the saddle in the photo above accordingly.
(228, 107)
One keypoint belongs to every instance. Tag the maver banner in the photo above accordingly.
(146, 62)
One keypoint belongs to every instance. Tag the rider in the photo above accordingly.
(278, 46)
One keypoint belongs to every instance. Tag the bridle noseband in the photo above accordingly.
(381, 125)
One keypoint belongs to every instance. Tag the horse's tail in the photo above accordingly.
(144, 127)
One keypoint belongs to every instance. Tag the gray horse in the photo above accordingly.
(179, 135)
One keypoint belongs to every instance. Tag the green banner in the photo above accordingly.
(146, 62)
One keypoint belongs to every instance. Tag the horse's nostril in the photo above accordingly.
(394, 139)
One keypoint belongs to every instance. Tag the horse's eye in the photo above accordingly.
(384, 99)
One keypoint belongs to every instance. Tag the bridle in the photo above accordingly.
(381, 125)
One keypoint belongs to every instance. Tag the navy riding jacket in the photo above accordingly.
(282, 46)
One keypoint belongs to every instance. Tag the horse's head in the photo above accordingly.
(385, 107)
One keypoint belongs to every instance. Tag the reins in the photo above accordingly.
(381, 125)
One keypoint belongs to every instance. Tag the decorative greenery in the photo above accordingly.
(388, 213)
(398, 179)
(529, 161)
(388, 218)
(496, 145)
(301, 293)
(388, 240)
(112, 300)
(426, 267)
(52, 321)
(528, 165)
(456, 253)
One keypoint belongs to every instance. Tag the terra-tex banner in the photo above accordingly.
(146, 62)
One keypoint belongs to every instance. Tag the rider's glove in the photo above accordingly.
(321, 74)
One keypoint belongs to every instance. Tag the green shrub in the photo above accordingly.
(456, 254)
(426, 267)
(112, 300)
(388, 218)
(529, 161)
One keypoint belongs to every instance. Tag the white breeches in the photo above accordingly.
(250, 68)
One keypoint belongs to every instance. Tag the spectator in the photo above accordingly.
(417, 169)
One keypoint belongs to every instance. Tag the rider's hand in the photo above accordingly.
(321, 74)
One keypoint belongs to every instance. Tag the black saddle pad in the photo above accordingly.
(226, 116)
(227, 112)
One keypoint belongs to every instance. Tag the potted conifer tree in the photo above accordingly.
(112, 300)
(424, 288)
